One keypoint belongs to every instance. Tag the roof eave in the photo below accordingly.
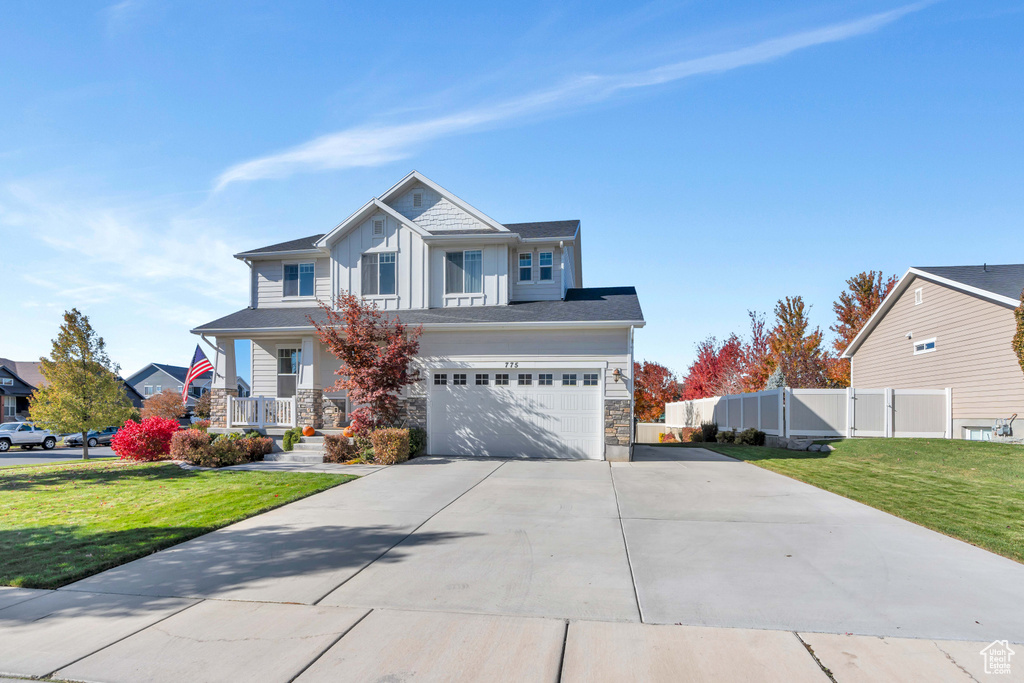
(256, 255)
(537, 324)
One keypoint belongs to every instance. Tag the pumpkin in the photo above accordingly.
(348, 432)
(308, 431)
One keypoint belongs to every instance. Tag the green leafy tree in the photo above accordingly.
(82, 391)
(1018, 338)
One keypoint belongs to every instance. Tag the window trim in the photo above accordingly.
(545, 379)
(502, 379)
(925, 342)
(591, 379)
(298, 282)
(417, 194)
(7, 381)
(541, 266)
(377, 255)
(440, 379)
(919, 296)
(482, 379)
(383, 226)
(570, 379)
(520, 266)
(445, 269)
(524, 379)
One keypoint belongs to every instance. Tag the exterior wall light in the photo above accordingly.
(617, 374)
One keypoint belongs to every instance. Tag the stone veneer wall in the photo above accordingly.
(617, 425)
(334, 413)
(413, 411)
(309, 406)
(219, 406)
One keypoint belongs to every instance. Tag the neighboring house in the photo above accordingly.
(516, 357)
(157, 377)
(949, 326)
(18, 379)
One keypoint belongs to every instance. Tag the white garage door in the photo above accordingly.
(516, 413)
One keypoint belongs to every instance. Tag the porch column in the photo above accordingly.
(225, 381)
(309, 393)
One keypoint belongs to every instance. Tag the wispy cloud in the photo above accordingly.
(373, 145)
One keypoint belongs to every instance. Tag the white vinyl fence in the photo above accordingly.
(648, 432)
(261, 411)
(824, 412)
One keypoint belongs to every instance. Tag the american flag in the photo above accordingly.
(198, 367)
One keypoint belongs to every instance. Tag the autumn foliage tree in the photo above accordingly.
(1018, 337)
(375, 352)
(717, 369)
(796, 347)
(167, 404)
(864, 294)
(654, 385)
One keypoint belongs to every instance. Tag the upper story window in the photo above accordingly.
(6, 381)
(463, 272)
(525, 267)
(546, 261)
(298, 279)
(918, 296)
(925, 346)
(379, 274)
(147, 390)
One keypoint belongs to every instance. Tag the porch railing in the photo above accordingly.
(261, 411)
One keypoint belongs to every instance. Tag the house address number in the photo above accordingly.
(512, 364)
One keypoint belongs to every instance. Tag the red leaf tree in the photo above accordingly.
(797, 348)
(717, 370)
(375, 352)
(654, 385)
(863, 295)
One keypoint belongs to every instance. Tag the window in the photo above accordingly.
(298, 279)
(544, 379)
(147, 390)
(417, 199)
(10, 406)
(441, 378)
(525, 267)
(590, 379)
(379, 274)
(546, 261)
(482, 379)
(501, 379)
(918, 296)
(7, 381)
(463, 272)
(978, 433)
(288, 361)
(378, 227)
(459, 379)
(525, 380)
(568, 379)
(157, 389)
(926, 346)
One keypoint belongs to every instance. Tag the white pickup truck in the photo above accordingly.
(26, 435)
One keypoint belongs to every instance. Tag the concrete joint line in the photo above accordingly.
(140, 630)
(561, 657)
(625, 547)
(406, 537)
(952, 659)
(330, 645)
(810, 650)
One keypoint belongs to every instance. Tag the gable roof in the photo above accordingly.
(301, 244)
(365, 211)
(26, 371)
(177, 372)
(416, 177)
(600, 305)
(1001, 284)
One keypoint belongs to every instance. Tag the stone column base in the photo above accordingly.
(309, 407)
(413, 411)
(334, 413)
(219, 406)
(617, 429)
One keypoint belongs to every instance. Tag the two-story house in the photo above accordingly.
(517, 358)
(157, 377)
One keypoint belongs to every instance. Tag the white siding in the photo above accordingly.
(411, 259)
(436, 212)
(536, 290)
(264, 368)
(269, 279)
(495, 278)
(562, 346)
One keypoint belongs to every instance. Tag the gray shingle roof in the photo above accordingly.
(594, 304)
(300, 244)
(552, 229)
(1006, 280)
(179, 373)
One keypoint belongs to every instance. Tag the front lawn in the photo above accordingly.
(970, 490)
(60, 523)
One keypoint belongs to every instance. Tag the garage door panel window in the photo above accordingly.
(483, 380)
(459, 379)
(525, 379)
(545, 379)
(590, 379)
(440, 379)
(501, 379)
(568, 379)
(464, 272)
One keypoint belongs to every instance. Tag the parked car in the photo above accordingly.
(95, 438)
(26, 435)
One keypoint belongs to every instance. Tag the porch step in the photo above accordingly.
(306, 446)
(293, 456)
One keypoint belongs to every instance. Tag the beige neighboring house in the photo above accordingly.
(949, 326)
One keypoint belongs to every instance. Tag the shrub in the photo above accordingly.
(417, 441)
(708, 431)
(224, 453)
(291, 437)
(390, 445)
(255, 446)
(696, 436)
(726, 437)
(750, 437)
(686, 433)
(364, 446)
(190, 445)
(338, 449)
(145, 441)
(667, 437)
(201, 425)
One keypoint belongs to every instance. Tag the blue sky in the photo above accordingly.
(720, 155)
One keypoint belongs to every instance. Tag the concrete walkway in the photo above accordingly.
(467, 569)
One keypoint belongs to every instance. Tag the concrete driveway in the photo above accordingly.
(469, 569)
(37, 456)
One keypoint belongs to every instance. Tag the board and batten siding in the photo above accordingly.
(535, 290)
(972, 351)
(410, 259)
(562, 346)
(494, 271)
(269, 276)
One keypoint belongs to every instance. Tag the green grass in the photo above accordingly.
(970, 490)
(60, 523)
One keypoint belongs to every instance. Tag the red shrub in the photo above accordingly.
(145, 441)
(189, 445)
